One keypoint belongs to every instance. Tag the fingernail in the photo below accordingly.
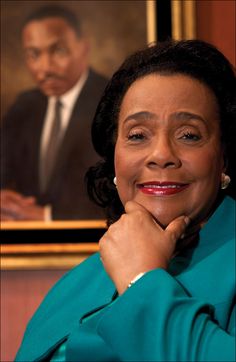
(187, 220)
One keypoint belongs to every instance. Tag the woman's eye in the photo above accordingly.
(136, 137)
(189, 136)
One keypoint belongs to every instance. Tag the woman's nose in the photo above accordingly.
(163, 154)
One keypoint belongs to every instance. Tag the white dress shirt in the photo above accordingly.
(68, 101)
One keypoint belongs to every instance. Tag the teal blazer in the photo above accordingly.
(184, 314)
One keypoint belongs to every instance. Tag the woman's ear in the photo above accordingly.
(225, 179)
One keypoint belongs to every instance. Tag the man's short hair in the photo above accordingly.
(54, 11)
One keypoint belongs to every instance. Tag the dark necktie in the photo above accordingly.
(50, 154)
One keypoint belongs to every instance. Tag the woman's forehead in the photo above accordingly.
(156, 92)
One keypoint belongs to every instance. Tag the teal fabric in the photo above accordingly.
(184, 314)
(60, 354)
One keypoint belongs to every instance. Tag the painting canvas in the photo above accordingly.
(114, 29)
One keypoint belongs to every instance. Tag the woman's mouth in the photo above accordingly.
(166, 188)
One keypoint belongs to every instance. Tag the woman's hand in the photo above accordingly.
(136, 243)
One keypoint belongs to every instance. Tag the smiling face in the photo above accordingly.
(168, 154)
(54, 54)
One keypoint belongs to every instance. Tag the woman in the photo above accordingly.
(157, 290)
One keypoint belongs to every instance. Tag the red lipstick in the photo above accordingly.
(157, 188)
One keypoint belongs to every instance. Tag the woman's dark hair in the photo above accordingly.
(193, 58)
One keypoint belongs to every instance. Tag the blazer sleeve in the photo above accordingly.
(20, 136)
(157, 320)
(9, 137)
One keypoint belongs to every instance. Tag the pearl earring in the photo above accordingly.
(114, 181)
(225, 181)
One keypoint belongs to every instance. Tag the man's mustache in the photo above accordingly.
(50, 76)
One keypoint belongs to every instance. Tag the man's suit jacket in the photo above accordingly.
(21, 134)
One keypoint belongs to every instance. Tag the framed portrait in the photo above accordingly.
(114, 30)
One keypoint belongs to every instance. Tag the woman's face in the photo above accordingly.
(168, 155)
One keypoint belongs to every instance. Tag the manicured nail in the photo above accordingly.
(187, 220)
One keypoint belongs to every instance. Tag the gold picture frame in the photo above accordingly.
(50, 255)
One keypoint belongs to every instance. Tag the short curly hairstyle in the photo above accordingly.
(194, 58)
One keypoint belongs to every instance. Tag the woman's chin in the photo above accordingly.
(164, 212)
(163, 221)
(165, 217)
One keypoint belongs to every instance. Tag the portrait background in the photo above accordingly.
(114, 29)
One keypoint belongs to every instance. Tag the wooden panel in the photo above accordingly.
(45, 256)
(21, 293)
(216, 24)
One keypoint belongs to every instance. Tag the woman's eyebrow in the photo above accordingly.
(176, 116)
(186, 116)
(140, 116)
